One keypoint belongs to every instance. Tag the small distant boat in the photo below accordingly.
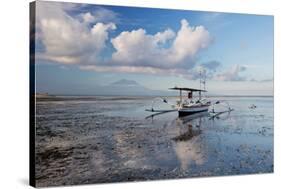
(252, 106)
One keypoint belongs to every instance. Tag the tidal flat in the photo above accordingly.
(82, 140)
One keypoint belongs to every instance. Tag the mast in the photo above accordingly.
(200, 79)
(203, 81)
(180, 96)
(200, 85)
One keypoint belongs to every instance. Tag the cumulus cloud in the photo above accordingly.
(211, 65)
(189, 41)
(88, 17)
(99, 14)
(131, 69)
(82, 38)
(206, 69)
(66, 40)
(190, 74)
(137, 48)
(233, 74)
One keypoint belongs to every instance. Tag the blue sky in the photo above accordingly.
(84, 48)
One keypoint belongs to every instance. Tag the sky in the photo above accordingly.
(83, 49)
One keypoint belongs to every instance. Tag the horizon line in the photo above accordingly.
(218, 95)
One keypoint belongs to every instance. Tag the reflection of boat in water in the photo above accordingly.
(192, 129)
(191, 132)
(195, 116)
(188, 144)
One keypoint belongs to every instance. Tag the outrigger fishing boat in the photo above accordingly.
(188, 104)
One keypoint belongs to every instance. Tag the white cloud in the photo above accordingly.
(188, 42)
(99, 15)
(88, 17)
(211, 65)
(163, 37)
(191, 74)
(232, 75)
(137, 48)
(126, 69)
(81, 39)
(206, 69)
(66, 39)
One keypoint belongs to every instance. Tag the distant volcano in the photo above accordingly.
(131, 87)
(125, 82)
(127, 87)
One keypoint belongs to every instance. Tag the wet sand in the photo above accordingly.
(80, 141)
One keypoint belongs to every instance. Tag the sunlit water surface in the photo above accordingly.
(110, 139)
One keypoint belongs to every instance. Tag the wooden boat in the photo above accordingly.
(190, 105)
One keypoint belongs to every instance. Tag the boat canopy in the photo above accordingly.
(187, 89)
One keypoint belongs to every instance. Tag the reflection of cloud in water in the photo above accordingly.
(127, 149)
(188, 144)
(189, 152)
(98, 161)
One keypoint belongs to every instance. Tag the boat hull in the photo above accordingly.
(192, 110)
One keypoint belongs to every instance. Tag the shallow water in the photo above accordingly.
(112, 139)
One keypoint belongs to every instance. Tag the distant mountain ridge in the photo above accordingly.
(122, 87)
(125, 82)
(130, 87)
